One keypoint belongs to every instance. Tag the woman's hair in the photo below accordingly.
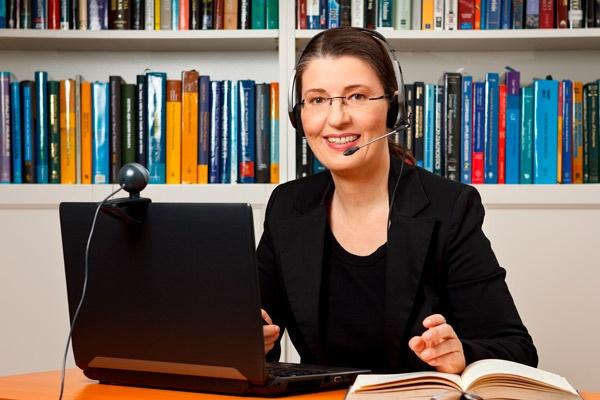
(347, 41)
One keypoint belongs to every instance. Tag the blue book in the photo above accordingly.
(429, 126)
(234, 131)
(505, 14)
(526, 136)
(247, 150)
(38, 14)
(567, 133)
(492, 81)
(42, 172)
(203, 127)
(545, 130)
(224, 161)
(466, 129)
(517, 14)
(439, 134)
(5, 131)
(274, 119)
(513, 122)
(323, 17)
(28, 95)
(100, 133)
(477, 155)
(175, 15)
(492, 14)
(157, 126)
(532, 15)
(483, 14)
(312, 14)
(334, 14)
(17, 141)
(216, 128)
(3, 14)
(98, 14)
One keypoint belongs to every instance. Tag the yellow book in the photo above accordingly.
(559, 147)
(578, 132)
(189, 127)
(274, 117)
(173, 131)
(68, 147)
(156, 15)
(427, 15)
(86, 132)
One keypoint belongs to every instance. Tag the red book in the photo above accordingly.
(477, 155)
(546, 14)
(477, 13)
(301, 13)
(184, 15)
(466, 14)
(53, 14)
(502, 135)
(562, 7)
(219, 14)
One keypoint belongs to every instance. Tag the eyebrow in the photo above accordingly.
(350, 87)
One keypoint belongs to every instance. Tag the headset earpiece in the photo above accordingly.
(392, 114)
(296, 118)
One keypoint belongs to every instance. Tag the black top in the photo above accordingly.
(352, 306)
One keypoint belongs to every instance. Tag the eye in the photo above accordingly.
(357, 97)
(316, 100)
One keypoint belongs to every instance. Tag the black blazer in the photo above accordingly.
(438, 261)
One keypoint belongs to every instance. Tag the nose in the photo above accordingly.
(338, 114)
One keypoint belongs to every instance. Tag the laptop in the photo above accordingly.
(173, 302)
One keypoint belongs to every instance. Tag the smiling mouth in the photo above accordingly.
(343, 139)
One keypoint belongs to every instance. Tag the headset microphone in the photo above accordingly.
(354, 149)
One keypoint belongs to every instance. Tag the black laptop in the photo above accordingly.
(174, 302)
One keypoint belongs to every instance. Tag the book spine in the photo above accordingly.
(300, 14)
(119, 16)
(562, 10)
(594, 132)
(64, 14)
(438, 15)
(545, 99)
(189, 127)
(559, 141)
(384, 14)
(98, 14)
(586, 133)
(149, 15)
(86, 133)
(477, 15)
(478, 154)
(68, 148)
(502, 134)
(272, 14)
(230, 20)
(157, 14)
(513, 120)
(263, 134)
(54, 128)
(207, 20)
(137, 15)
(219, 22)
(29, 170)
(438, 130)
(493, 14)
(100, 127)
(370, 14)
(402, 15)
(357, 11)
(5, 131)
(16, 132)
(225, 151)
(166, 15)
(175, 15)
(484, 5)
(38, 14)
(466, 129)
(234, 112)
(547, 14)
(491, 127)
(12, 14)
(128, 123)
(567, 143)
(312, 14)
(258, 14)
(451, 130)
(274, 119)
(303, 157)
(532, 15)
(575, 14)
(247, 153)
(429, 126)
(416, 14)
(451, 15)
(82, 14)
(25, 17)
(54, 11)
(577, 132)
(116, 82)
(505, 15)
(244, 14)
(466, 14)
(41, 127)
(77, 81)
(517, 14)
(216, 105)
(73, 14)
(141, 153)
(334, 14)
(345, 13)
(427, 15)
(173, 152)
(204, 128)
(419, 120)
(526, 138)
(407, 139)
(157, 104)
(323, 14)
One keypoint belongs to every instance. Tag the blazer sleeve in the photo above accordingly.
(272, 293)
(483, 313)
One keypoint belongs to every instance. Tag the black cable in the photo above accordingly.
(393, 196)
(85, 278)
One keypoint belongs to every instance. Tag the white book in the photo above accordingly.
(357, 12)
(451, 19)
(149, 15)
(438, 15)
(416, 14)
(402, 15)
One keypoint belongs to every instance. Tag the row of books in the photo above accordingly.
(447, 14)
(498, 130)
(139, 14)
(193, 130)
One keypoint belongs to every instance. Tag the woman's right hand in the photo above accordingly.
(270, 331)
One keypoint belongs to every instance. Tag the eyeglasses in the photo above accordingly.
(356, 101)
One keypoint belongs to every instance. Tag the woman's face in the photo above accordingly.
(332, 129)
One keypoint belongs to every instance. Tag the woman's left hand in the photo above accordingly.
(439, 346)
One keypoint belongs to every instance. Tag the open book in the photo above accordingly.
(485, 379)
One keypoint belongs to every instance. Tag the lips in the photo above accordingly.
(341, 142)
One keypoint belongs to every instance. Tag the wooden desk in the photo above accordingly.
(46, 386)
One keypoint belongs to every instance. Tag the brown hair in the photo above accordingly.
(347, 41)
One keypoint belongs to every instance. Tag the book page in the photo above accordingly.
(487, 368)
(374, 381)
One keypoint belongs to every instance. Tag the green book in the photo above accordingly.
(128, 123)
(526, 161)
(593, 132)
(272, 14)
(586, 137)
(54, 124)
(258, 14)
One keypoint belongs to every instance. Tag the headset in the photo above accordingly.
(397, 114)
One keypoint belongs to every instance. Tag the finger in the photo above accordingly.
(434, 320)
(453, 363)
(439, 333)
(265, 316)
(416, 344)
(270, 331)
(442, 349)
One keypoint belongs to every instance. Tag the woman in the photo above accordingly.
(377, 263)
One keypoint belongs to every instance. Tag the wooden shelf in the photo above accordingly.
(166, 41)
(484, 40)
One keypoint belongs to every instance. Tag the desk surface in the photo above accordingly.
(45, 385)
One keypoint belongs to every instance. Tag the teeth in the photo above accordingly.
(342, 140)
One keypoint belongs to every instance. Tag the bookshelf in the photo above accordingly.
(526, 223)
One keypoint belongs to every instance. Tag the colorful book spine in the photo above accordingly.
(312, 14)
(128, 123)
(204, 128)
(3, 19)
(493, 14)
(16, 132)
(419, 121)
(402, 15)
(68, 147)
(429, 126)
(38, 14)
(26, 21)
(166, 15)
(175, 14)
(274, 118)
(407, 139)
(547, 14)
(29, 170)
(357, 12)
(149, 15)
(216, 106)
(247, 153)
(189, 127)
(586, 134)
(86, 132)
(100, 131)
(219, 12)
(438, 130)
(334, 14)
(98, 14)
(491, 127)
(115, 82)
(593, 101)
(5, 131)
(54, 128)
(385, 14)
(526, 137)
(301, 14)
(225, 151)
(562, 10)
(577, 132)
(262, 134)
(477, 15)
(545, 130)
(483, 6)
(451, 121)
(567, 142)
(230, 20)
(466, 14)
(532, 15)
(41, 127)
(559, 131)
(575, 14)
(78, 80)
(505, 14)
(137, 15)
(345, 15)
(141, 154)
(258, 14)
(466, 129)
(517, 14)
(478, 133)
(502, 134)
(438, 15)
(513, 121)
(234, 130)
(244, 14)
(173, 131)
(451, 17)
(55, 7)
(427, 15)
(157, 104)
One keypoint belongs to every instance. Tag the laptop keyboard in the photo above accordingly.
(284, 370)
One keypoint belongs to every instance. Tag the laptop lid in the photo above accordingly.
(177, 294)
